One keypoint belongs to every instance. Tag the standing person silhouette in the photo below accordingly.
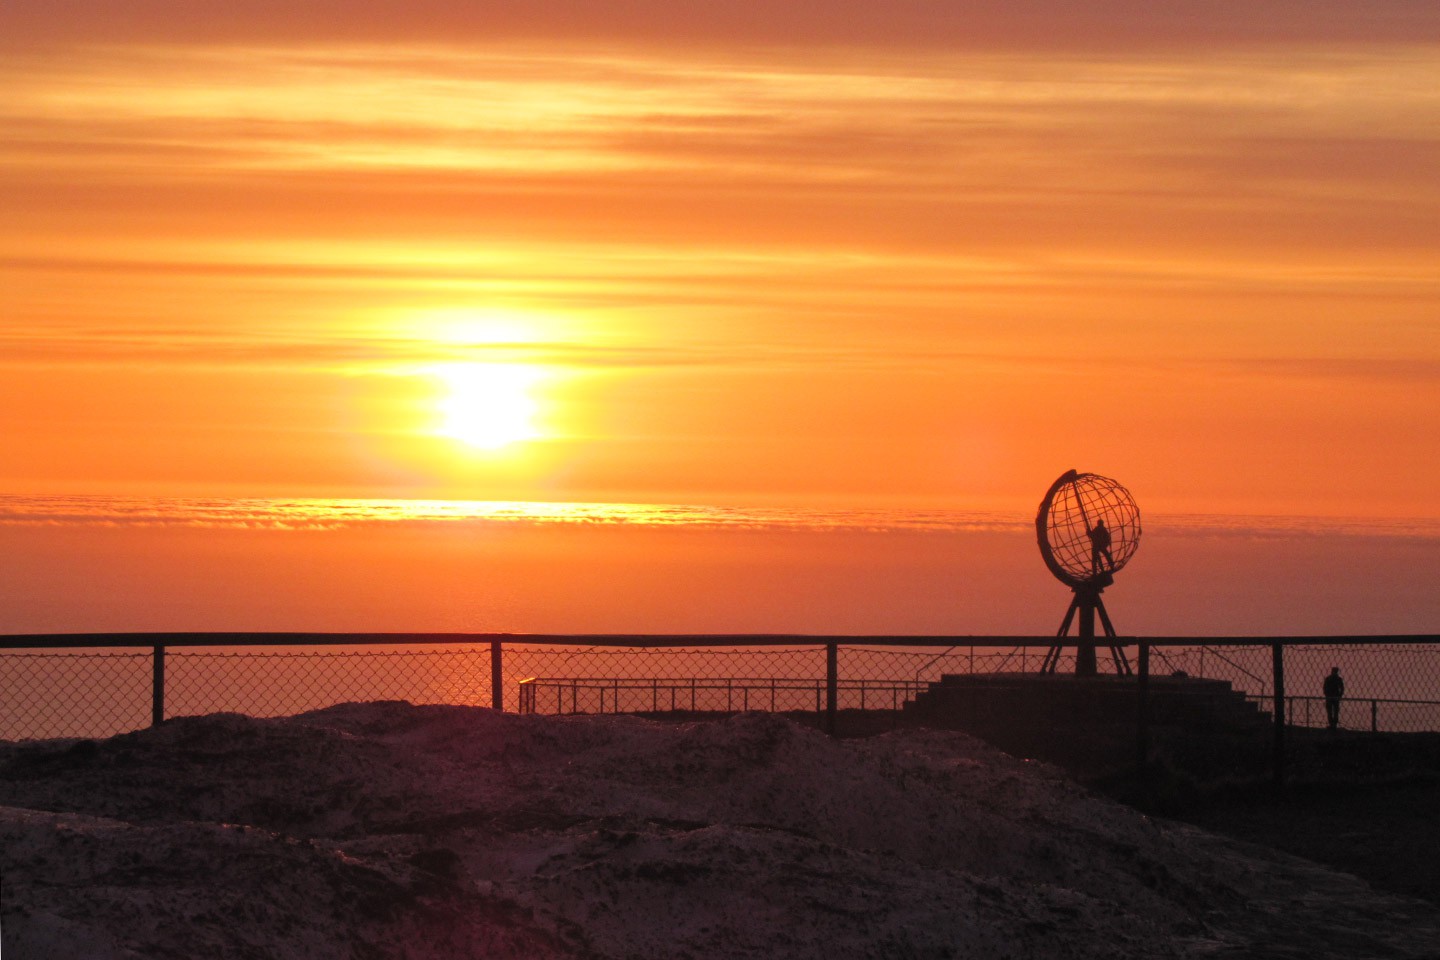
(1334, 690)
(1100, 547)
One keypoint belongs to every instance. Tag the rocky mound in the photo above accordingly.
(388, 830)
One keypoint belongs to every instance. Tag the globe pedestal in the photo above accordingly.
(1087, 604)
(1087, 724)
(1085, 665)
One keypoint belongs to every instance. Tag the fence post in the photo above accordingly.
(1142, 718)
(1277, 762)
(157, 687)
(832, 683)
(1374, 719)
(497, 678)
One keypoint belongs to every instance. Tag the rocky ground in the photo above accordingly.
(1387, 833)
(387, 830)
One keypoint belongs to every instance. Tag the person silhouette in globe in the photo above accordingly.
(1100, 547)
(1334, 690)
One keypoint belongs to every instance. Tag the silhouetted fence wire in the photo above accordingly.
(99, 685)
(91, 694)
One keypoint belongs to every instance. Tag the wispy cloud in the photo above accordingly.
(372, 354)
(900, 25)
(394, 354)
(435, 109)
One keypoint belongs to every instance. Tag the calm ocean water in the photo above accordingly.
(79, 564)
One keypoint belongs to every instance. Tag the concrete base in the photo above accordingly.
(968, 701)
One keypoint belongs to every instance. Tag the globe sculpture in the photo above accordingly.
(1088, 528)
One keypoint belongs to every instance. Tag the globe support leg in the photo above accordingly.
(1052, 656)
(1117, 654)
(1085, 642)
(1087, 604)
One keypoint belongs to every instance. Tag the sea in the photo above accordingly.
(112, 564)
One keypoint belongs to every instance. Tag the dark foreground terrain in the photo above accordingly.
(1363, 803)
(1387, 833)
(1367, 804)
(386, 830)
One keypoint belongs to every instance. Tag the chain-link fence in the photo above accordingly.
(97, 693)
(93, 687)
(281, 682)
(62, 694)
(1388, 687)
(1247, 668)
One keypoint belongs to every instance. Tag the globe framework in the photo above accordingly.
(1088, 527)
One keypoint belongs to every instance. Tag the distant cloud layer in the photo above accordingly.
(1103, 24)
(317, 514)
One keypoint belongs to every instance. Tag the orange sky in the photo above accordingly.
(737, 254)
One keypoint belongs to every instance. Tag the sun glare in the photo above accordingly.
(489, 405)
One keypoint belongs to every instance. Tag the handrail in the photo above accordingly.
(938, 657)
(138, 639)
(1374, 702)
(1350, 699)
(1258, 679)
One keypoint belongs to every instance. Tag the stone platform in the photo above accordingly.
(981, 701)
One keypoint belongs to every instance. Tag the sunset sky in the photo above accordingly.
(752, 253)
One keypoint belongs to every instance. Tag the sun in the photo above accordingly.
(489, 405)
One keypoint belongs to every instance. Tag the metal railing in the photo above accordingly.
(709, 694)
(1260, 683)
(1363, 714)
